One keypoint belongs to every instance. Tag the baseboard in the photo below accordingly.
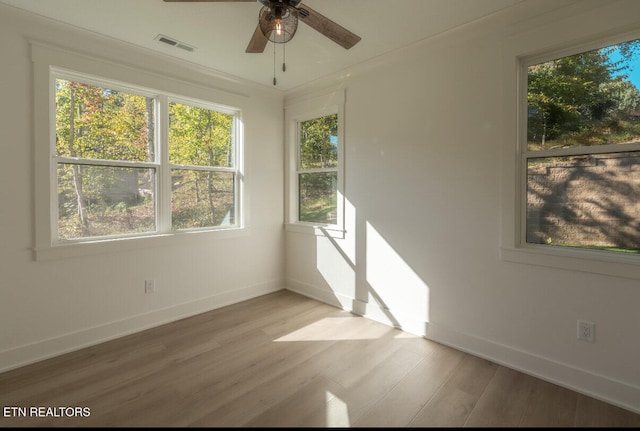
(44, 349)
(603, 388)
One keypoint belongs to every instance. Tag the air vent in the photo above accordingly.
(173, 42)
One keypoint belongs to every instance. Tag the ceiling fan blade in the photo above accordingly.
(257, 43)
(210, 1)
(330, 29)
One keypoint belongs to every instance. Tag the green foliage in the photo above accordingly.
(199, 136)
(319, 142)
(318, 198)
(202, 199)
(318, 150)
(104, 200)
(99, 123)
(96, 123)
(575, 98)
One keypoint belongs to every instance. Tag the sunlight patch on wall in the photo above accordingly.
(394, 286)
(348, 245)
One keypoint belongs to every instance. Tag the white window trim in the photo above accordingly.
(295, 113)
(51, 63)
(514, 247)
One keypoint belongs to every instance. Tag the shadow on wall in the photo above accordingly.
(382, 286)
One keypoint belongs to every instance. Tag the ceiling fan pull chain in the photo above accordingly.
(284, 56)
(274, 64)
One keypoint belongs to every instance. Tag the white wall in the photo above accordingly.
(429, 183)
(429, 187)
(52, 306)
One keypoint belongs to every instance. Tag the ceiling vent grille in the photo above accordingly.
(175, 43)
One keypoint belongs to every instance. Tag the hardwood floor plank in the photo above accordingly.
(306, 407)
(406, 399)
(290, 314)
(284, 360)
(83, 382)
(372, 386)
(504, 401)
(594, 413)
(549, 405)
(247, 404)
(454, 402)
(367, 353)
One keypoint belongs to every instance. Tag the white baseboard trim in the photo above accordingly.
(603, 388)
(55, 346)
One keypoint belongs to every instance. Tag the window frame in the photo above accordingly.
(58, 73)
(514, 247)
(51, 64)
(297, 112)
(301, 171)
(236, 148)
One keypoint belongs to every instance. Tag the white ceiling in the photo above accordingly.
(220, 31)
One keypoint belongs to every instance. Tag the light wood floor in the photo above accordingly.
(283, 360)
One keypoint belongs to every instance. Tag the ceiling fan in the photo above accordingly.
(278, 21)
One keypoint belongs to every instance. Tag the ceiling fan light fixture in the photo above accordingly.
(278, 23)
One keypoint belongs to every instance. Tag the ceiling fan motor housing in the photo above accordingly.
(278, 21)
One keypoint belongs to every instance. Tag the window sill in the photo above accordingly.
(596, 262)
(317, 230)
(93, 248)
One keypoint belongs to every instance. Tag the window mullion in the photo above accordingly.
(163, 212)
(100, 162)
(316, 170)
(582, 150)
(202, 168)
(238, 169)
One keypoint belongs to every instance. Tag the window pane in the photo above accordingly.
(586, 99)
(202, 199)
(588, 201)
(319, 143)
(318, 197)
(102, 123)
(104, 200)
(199, 136)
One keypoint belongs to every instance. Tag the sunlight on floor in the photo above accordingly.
(337, 411)
(332, 329)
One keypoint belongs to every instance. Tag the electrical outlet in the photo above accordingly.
(586, 331)
(149, 286)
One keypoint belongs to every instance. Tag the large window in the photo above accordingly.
(581, 155)
(131, 161)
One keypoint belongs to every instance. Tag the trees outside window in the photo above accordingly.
(201, 154)
(318, 170)
(111, 175)
(582, 150)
